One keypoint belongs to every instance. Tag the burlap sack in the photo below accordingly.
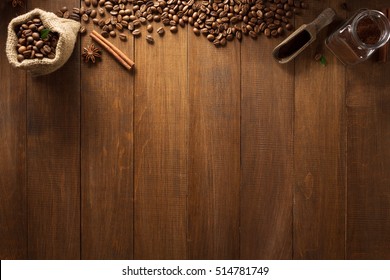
(67, 30)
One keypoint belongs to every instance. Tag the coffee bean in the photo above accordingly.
(160, 31)
(136, 32)
(123, 37)
(173, 29)
(210, 37)
(105, 34)
(119, 26)
(113, 33)
(149, 28)
(20, 57)
(85, 17)
(82, 29)
(39, 44)
(196, 31)
(87, 3)
(93, 14)
(149, 39)
(36, 36)
(101, 11)
(253, 34)
(22, 49)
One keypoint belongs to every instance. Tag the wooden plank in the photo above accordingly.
(266, 152)
(107, 155)
(53, 157)
(13, 211)
(319, 149)
(368, 107)
(214, 149)
(161, 137)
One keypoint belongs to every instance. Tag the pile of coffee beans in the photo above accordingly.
(35, 41)
(219, 21)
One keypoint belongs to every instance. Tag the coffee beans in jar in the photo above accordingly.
(35, 41)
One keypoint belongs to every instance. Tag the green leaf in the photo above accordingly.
(45, 33)
(323, 61)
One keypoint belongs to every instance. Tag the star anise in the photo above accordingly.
(90, 53)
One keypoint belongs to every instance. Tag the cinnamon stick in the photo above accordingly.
(113, 47)
(383, 51)
(118, 51)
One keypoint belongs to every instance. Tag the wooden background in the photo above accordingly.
(200, 153)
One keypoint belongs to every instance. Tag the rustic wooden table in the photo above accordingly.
(200, 153)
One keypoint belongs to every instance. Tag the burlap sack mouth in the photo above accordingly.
(67, 31)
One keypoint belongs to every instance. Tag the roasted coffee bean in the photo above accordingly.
(20, 57)
(123, 37)
(64, 9)
(82, 29)
(149, 39)
(196, 31)
(85, 17)
(136, 32)
(93, 14)
(149, 28)
(160, 31)
(173, 29)
(101, 11)
(253, 34)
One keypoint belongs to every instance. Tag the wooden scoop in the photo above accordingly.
(302, 37)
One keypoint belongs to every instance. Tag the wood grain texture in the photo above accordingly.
(319, 149)
(368, 107)
(266, 152)
(13, 214)
(200, 153)
(368, 160)
(160, 146)
(107, 155)
(53, 157)
(214, 150)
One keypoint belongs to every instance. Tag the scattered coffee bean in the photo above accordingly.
(136, 32)
(160, 31)
(123, 37)
(223, 19)
(85, 17)
(82, 30)
(196, 31)
(149, 39)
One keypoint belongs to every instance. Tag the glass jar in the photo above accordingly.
(360, 36)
